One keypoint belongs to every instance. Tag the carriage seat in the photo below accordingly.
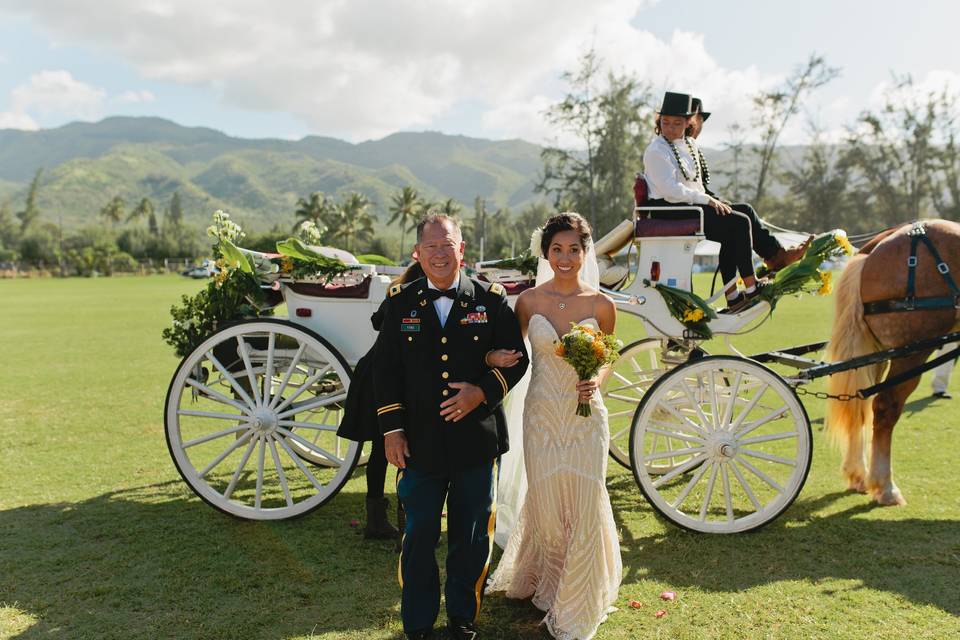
(333, 290)
(684, 220)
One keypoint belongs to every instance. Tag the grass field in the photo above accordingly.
(99, 537)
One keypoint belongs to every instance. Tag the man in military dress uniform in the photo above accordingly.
(437, 407)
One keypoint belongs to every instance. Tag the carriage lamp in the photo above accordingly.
(655, 271)
(304, 312)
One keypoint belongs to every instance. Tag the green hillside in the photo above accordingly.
(86, 164)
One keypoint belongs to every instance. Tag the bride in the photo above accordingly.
(563, 551)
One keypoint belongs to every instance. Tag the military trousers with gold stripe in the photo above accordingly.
(471, 514)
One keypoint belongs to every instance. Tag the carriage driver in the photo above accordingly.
(437, 402)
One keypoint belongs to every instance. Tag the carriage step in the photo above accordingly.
(793, 356)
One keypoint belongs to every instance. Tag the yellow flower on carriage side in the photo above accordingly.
(841, 237)
(826, 285)
(286, 264)
(692, 315)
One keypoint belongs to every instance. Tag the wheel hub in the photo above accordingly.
(264, 421)
(722, 446)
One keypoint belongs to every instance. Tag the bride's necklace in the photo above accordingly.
(562, 304)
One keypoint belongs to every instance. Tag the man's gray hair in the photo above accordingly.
(435, 217)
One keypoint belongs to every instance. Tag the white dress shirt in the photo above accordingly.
(664, 178)
(443, 304)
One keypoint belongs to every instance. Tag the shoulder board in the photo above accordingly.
(394, 290)
(497, 289)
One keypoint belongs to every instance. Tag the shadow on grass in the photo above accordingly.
(154, 562)
(916, 559)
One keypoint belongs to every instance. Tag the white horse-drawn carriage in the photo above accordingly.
(716, 444)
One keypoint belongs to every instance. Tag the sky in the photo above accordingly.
(362, 69)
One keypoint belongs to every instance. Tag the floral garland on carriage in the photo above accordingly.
(246, 283)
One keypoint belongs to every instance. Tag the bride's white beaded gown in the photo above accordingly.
(564, 550)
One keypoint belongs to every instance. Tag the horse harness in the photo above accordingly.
(911, 302)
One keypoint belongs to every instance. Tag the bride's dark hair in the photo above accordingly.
(568, 221)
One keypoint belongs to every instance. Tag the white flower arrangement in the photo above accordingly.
(310, 233)
(223, 228)
(535, 239)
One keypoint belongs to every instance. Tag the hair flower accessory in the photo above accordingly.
(535, 239)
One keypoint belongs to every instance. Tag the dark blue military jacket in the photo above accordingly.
(416, 359)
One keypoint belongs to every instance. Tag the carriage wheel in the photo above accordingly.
(638, 367)
(746, 437)
(246, 411)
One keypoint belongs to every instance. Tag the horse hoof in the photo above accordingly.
(857, 486)
(890, 499)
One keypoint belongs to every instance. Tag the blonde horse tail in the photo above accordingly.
(851, 337)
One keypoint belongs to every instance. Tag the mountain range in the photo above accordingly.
(258, 180)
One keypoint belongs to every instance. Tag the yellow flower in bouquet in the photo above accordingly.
(841, 237)
(825, 283)
(587, 350)
(692, 315)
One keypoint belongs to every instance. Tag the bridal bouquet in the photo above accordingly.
(586, 350)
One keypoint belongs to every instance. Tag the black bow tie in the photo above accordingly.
(434, 294)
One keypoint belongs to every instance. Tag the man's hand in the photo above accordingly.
(396, 449)
(469, 398)
(722, 207)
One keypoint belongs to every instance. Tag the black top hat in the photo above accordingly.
(676, 104)
(698, 108)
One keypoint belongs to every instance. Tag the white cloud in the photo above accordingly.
(136, 97)
(51, 92)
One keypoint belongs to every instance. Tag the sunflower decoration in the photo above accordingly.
(805, 275)
(687, 308)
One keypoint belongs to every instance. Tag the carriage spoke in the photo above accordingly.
(309, 382)
(213, 394)
(769, 457)
(251, 376)
(685, 425)
(694, 403)
(676, 504)
(714, 409)
(769, 438)
(746, 486)
(750, 405)
(280, 473)
(243, 463)
(309, 405)
(307, 425)
(268, 374)
(214, 436)
(683, 468)
(728, 414)
(674, 435)
(240, 391)
(623, 398)
(728, 499)
(685, 421)
(709, 494)
(620, 414)
(235, 417)
(286, 377)
(258, 497)
(760, 474)
(773, 415)
(675, 453)
(297, 461)
(310, 446)
(233, 447)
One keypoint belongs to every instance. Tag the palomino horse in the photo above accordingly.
(878, 273)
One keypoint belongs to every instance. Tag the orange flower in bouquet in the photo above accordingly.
(587, 350)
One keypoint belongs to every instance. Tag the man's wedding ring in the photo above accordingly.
(459, 410)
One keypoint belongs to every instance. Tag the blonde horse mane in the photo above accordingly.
(851, 337)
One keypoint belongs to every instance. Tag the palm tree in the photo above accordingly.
(142, 210)
(318, 209)
(450, 207)
(405, 211)
(355, 221)
(112, 212)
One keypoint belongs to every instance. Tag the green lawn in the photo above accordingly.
(99, 537)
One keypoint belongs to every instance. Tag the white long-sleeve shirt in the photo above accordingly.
(664, 178)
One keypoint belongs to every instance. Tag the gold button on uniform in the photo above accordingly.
(446, 392)
(475, 338)
(444, 357)
(409, 338)
(443, 340)
(444, 375)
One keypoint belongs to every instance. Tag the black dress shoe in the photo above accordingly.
(460, 629)
(422, 634)
(942, 394)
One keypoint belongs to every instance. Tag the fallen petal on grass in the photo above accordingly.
(354, 522)
(636, 604)
(660, 613)
(668, 595)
